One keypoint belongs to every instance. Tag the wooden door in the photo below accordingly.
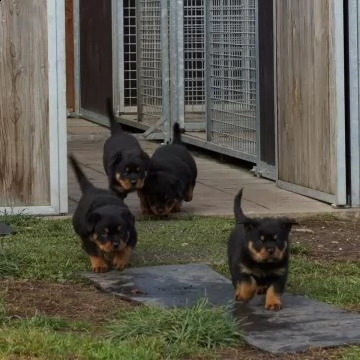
(310, 98)
(33, 176)
(69, 36)
(266, 89)
(96, 75)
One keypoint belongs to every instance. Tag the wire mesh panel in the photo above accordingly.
(231, 71)
(194, 60)
(130, 86)
(149, 64)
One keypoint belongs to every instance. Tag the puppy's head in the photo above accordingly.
(267, 239)
(111, 228)
(130, 171)
(162, 192)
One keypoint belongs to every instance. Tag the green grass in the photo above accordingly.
(50, 251)
(141, 333)
(199, 326)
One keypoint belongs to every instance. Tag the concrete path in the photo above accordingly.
(217, 182)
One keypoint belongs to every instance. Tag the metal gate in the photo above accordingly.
(232, 76)
(197, 64)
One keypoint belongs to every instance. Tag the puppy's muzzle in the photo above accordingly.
(270, 250)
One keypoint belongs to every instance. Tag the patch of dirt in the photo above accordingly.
(249, 353)
(330, 240)
(69, 301)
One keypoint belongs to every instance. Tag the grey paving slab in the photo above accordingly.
(301, 324)
(166, 285)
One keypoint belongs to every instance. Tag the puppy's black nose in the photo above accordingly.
(133, 182)
(270, 250)
(160, 210)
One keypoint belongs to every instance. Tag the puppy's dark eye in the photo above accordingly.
(104, 234)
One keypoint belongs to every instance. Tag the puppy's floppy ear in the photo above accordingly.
(177, 186)
(287, 223)
(92, 219)
(113, 163)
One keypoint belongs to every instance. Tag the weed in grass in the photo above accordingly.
(297, 249)
(182, 330)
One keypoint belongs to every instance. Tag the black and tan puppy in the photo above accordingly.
(258, 256)
(171, 178)
(105, 225)
(125, 162)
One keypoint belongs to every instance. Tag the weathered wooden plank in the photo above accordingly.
(24, 125)
(306, 94)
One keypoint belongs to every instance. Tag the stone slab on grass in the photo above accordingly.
(301, 324)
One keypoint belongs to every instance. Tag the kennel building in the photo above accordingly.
(260, 80)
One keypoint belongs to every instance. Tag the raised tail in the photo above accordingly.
(114, 125)
(83, 181)
(239, 215)
(176, 134)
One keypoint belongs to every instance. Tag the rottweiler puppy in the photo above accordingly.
(104, 224)
(171, 178)
(125, 162)
(258, 256)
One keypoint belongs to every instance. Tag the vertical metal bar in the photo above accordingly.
(257, 110)
(77, 90)
(173, 62)
(338, 17)
(208, 74)
(180, 64)
(164, 35)
(118, 54)
(139, 17)
(354, 57)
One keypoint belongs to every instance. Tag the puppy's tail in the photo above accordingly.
(83, 181)
(115, 127)
(176, 134)
(239, 215)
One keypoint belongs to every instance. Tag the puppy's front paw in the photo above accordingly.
(272, 301)
(245, 291)
(121, 258)
(98, 264)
